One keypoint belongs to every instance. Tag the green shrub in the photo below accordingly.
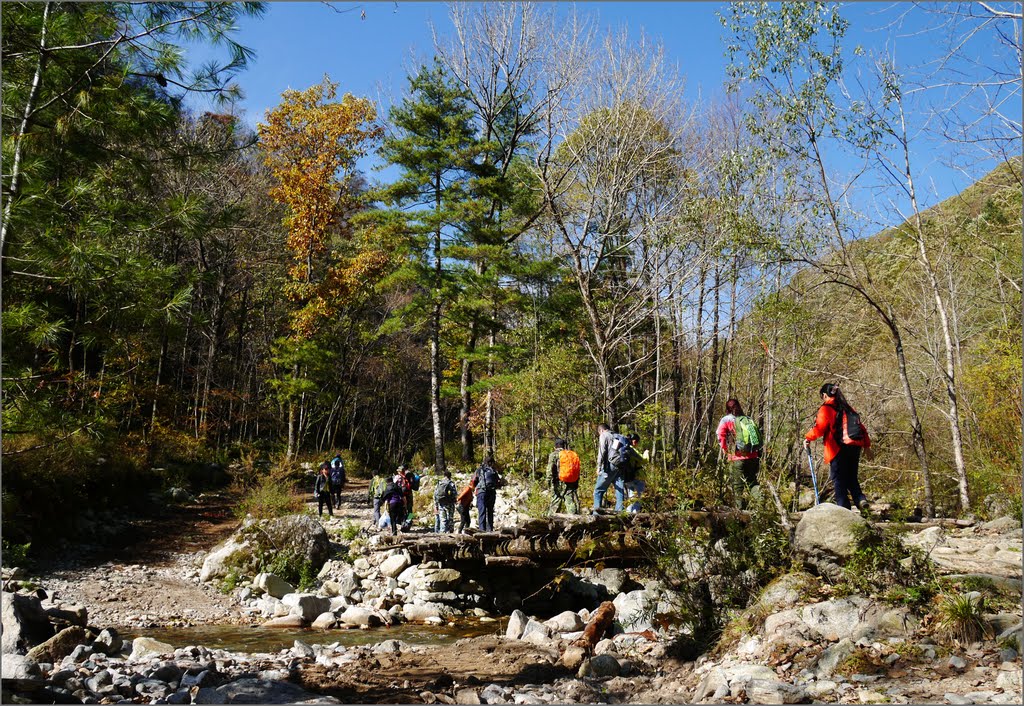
(717, 568)
(962, 618)
(883, 566)
(270, 498)
(15, 554)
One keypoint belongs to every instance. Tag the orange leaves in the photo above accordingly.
(311, 143)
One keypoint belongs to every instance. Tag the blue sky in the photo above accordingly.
(296, 43)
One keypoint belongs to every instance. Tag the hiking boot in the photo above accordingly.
(864, 506)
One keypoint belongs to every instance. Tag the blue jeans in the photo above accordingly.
(604, 481)
(485, 509)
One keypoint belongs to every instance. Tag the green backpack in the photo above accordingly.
(748, 438)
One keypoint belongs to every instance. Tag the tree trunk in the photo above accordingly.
(949, 372)
(19, 139)
(489, 402)
(915, 422)
(466, 408)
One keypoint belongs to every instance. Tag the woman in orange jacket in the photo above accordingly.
(843, 460)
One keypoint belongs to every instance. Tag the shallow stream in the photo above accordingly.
(243, 638)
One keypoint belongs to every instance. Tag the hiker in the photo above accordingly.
(839, 426)
(444, 504)
(465, 501)
(740, 440)
(393, 498)
(322, 490)
(564, 470)
(488, 480)
(377, 484)
(634, 487)
(411, 483)
(337, 479)
(612, 455)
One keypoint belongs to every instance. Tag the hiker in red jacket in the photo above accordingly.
(842, 444)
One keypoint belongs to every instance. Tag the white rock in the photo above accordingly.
(143, 647)
(355, 615)
(324, 621)
(306, 605)
(272, 585)
(394, 565)
(536, 632)
(217, 564)
(566, 621)
(634, 610)
(516, 624)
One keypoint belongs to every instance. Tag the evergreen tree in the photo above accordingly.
(437, 150)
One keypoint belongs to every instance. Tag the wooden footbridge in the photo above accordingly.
(556, 541)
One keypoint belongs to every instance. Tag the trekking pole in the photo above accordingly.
(814, 478)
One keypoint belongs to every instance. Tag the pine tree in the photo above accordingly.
(437, 151)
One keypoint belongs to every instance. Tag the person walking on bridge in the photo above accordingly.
(564, 471)
(839, 426)
(465, 501)
(612, 455)
(488, 480)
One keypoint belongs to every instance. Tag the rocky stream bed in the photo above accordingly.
(188, 627)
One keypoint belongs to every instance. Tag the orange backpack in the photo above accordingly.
(568, 466)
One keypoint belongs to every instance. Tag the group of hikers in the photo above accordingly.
(837, 424)
(392, 499)
(619, 466)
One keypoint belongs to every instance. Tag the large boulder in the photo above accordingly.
(273, 585)
(833, 620)
(24, 622)
(357, 615)
(300, 539)
(59, 646)
(144, 647)
(435, 580)
(299, 536)
(566, 621)
(395, 564)
(306, 605)
(516, 624)
(826, 538)
(66, 615)
(14, 666)
(422, 612)
(634, 611)
(286, 621)
(228, 556)
(536, 632)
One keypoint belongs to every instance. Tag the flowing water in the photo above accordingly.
(242, 638)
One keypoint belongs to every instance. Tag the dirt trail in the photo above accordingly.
(148, 576)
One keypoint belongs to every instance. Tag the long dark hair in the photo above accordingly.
(732, 406)
(832, 390)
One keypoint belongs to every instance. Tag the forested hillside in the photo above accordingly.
(566, 243)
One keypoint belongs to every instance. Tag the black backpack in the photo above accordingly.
(632, 469)
(618, 455)
(489, 478)
(850, 430)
